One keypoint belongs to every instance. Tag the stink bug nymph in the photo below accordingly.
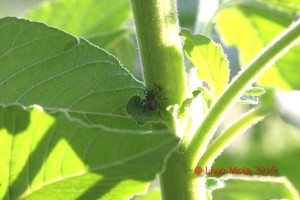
(150, 102)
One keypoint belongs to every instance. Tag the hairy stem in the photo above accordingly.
(238, 127)
(162, 61)
(160, 47)
(236, 88)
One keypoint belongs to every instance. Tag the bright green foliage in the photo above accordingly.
(137, 109)
(253, 26)
(209, 59)
(254, 92)
(186, 104)
(107, 40)
(291, 6)
(101, 22)
(250, 95)
(83, 17)
(256, 188)
(124, 49)
(61, 72)
(79, 142)
(51, 157)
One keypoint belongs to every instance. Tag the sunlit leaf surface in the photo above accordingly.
(251, 26)
(209, 59)
(50, 157)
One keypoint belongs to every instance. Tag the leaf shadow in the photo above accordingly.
(86, 145)
(11, 120)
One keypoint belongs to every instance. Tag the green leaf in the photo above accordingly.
(118, 43)
(255, 92)
(256, 188)
(142, 115)
(45, 66)
(51, 157)
(83, 17)
(251, 26)
(101, 22)
(184, 109)
(292, 6)
(209, 59)
(126, 52)
(250, 96)
(108, 39)
(287, 104)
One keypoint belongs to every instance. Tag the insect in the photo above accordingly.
(150, 102)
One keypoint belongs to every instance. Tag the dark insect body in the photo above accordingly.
(150, 102)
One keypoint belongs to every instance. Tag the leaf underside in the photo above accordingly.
(45, 66)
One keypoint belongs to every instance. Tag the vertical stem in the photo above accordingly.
(178, 182)
(161, 53)
(160, 47)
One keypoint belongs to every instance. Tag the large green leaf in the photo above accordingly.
(126, 53)
(45, 66)
(250, 26)
(108, 40)
(50, 157)
(209, 59)
(256, 188)
(83, 17)
(101, 22)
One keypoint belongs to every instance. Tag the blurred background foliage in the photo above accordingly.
(243, 28)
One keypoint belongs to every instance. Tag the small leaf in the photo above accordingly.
(250, 96)
(207, 97)
(49, 156)
(288, 106)
(255, 92)
(255, 188)
(209, 59)
(186, 104)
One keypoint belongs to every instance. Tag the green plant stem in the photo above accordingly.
(177, 183)
(236, 88)
(238, 127)
(162, 61)
(160, 47)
